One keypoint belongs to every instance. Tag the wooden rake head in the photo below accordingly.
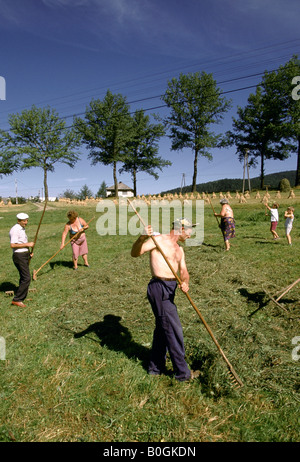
(235, 380)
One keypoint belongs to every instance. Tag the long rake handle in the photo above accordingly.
(215, 215)
(191, 302)
(38, 228)
(74, 237)
(287, 289)
(37, 231)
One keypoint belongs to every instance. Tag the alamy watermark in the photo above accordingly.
(120, 219)
(296, 90)
(2, 348)
(295, 354)
(2, 88)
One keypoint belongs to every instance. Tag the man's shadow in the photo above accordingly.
(112, 334)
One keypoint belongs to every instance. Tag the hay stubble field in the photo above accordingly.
(76, 357)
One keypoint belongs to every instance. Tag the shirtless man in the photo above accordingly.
(227, 222)
(168, 335)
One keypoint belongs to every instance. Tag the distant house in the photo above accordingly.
(50, 198)
(123, 190)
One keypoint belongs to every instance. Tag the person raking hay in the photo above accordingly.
(168, 334)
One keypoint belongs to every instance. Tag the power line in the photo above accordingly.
(165, 105)
(238, 57)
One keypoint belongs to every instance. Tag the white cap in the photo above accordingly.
(183, 223)
(22, 216)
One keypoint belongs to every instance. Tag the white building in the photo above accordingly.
(50, 199)
(123, 190)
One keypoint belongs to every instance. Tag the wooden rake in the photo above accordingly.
(284, 291)
(34, 276)
(236, 381)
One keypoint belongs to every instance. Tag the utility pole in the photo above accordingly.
(246, 164)
(182, 182)
(16, 184)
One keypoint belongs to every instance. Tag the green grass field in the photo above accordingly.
(76, 356)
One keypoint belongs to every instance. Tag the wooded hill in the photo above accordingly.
(234, 184)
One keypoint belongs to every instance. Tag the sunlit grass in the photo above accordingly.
(76, 357)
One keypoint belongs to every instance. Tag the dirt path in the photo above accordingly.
(40, 206)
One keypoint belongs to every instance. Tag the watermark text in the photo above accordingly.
(295, 354)
(2, 349)
(296, 90)
(2, 88)
(120, 219)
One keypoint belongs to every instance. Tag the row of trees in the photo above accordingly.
(85, 192)
(268, 127)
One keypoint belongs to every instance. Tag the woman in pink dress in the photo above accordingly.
(79, 244)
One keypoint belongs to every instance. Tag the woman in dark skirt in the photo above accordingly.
(227, 222)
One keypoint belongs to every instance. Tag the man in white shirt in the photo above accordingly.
(21, 255)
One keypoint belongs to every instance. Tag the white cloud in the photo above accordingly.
(75, 180)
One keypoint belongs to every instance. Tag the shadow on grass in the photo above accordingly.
(262, 299)
(203, 360)
(268, 242)
(6, 286)
(257, 298)
(67, 264)
(51, 266)
(112, 334)
(205, 244)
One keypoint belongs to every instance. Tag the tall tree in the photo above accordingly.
(69, 194)
(84, 193)
(196, 104)
(102, 190)
(106, 130)
(37, 138)
(269, 125)
(142, 149)
(280, 86)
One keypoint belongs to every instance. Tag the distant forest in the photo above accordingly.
(233, 184)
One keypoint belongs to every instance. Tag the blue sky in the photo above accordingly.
(63, 53)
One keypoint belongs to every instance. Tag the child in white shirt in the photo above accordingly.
(274, 219)
(289, 216)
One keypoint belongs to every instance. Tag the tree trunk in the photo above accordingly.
(262, 171)
(297, 181)
(45, 184)
(195, 172)
(134, 182)
(116, 180)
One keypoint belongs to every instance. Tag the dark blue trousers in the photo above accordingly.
(168, 334)
(21, 261)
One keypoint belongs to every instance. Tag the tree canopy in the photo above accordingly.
(37, 137)
(281, 87)
(196, 104)
(268, 126)
(106, 131)
(142, 148)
